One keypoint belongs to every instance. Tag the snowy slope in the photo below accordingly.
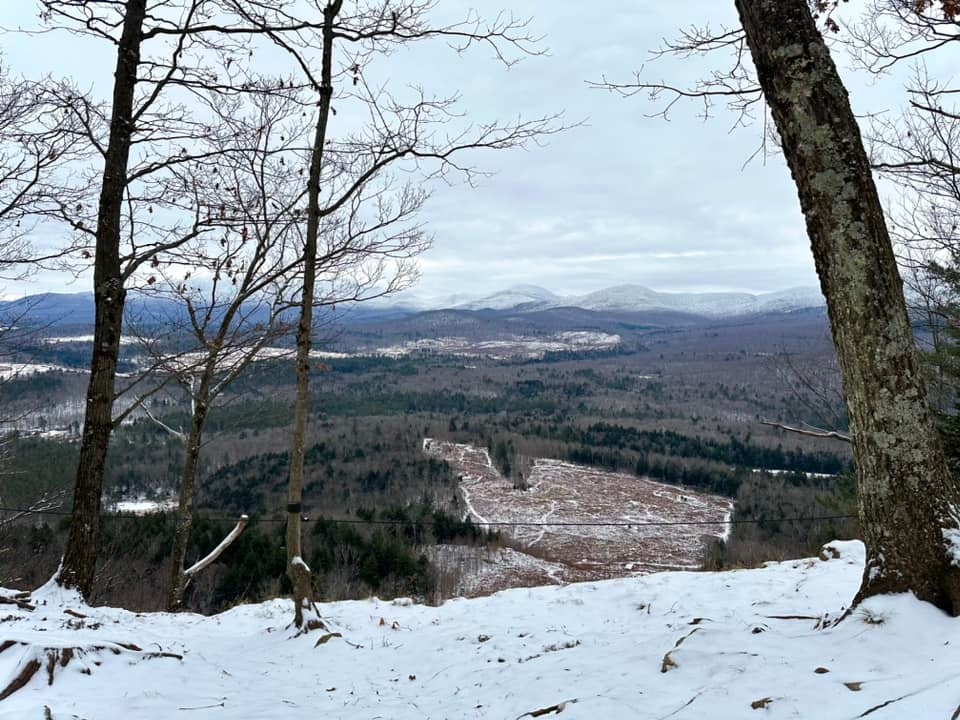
(790, 299)
(635, 298)
(745, 644)
(530, 297)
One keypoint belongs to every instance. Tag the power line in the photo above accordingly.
(477, 523)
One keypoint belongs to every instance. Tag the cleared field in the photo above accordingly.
(580, 523)
(507, 346)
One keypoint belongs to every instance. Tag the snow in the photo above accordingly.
(143, 506)
(13, 370)
(528, 296)
(753, 643)
(951, 536)
(636, 298)
(581, 523)
(506, 347)
(632, 298)
(82, 339)
(786, 472)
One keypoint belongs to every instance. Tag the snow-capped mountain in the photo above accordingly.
(791, 299)
(77, 309)
(529, 297)
(636, 298)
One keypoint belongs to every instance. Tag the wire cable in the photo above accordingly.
(491, 523)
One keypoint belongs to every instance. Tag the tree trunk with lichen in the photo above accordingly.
(908, 500)
(83, 541)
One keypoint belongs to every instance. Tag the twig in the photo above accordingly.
(179, 434)
(222, 703)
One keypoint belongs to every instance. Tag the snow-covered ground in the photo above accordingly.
(82, 339)
(143, 506)
(679, 645)
(499, 348)
(512, 346)
(786, 472)
(10, 370)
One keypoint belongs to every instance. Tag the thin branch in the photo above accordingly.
(813, 432)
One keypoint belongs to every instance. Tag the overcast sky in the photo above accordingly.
(623, 198)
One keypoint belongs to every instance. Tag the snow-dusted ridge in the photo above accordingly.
(11, 370)
(636, 298)
(684, 646)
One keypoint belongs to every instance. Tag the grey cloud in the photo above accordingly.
(621, 199)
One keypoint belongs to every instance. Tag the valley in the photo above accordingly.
(580, 417)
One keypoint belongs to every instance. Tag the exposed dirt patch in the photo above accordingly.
(586, 524)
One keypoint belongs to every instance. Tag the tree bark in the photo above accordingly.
(908, 500)
(79, 559)
(297, 569)
(181, 537)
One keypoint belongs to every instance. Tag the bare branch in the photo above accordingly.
(813, 432)
(735, 86)
(219, 549)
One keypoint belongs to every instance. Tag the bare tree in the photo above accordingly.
(892, 31)
(918, 152)
(122, 25)
(906, 494)
(239, 289)
(230, 288)
(814, 384)
(169, 53)
(38, 144)
(39, 141)
(342, 168)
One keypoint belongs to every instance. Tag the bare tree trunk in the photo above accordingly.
(907, 497)
(297, 569)
(80, 556)
(181, 537)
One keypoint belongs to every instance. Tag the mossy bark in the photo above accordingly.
(907, 496)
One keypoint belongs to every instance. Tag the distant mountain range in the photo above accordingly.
(77, 309)
(53, 309)
(48, 309)
(638, 299)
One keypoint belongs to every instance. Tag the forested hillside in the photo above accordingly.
(681, 406)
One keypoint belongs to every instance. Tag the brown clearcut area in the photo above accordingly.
(603, 523)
